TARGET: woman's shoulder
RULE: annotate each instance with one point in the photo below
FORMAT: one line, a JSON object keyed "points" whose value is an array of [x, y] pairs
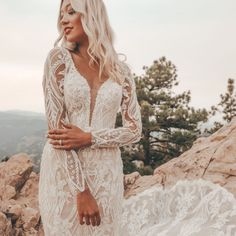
{"points": [[128, 77], [56, 53]]}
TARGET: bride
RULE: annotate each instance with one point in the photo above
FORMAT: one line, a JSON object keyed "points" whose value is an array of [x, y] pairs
{"points": [[81, 173]]}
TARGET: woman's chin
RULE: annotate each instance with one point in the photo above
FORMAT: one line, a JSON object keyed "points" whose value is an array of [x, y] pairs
{"points": [[70, 39]]}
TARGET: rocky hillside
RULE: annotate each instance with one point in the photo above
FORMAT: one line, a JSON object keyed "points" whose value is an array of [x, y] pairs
{"points": [[212, 158]]}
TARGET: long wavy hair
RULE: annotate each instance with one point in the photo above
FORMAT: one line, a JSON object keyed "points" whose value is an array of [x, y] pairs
{"points": [[96, 25]]}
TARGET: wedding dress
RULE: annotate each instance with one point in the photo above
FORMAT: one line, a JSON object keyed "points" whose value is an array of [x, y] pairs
{"points": [[190, 208]]}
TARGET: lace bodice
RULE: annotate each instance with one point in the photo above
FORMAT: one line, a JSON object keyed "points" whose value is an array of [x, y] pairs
{"points": [[69, 98]]}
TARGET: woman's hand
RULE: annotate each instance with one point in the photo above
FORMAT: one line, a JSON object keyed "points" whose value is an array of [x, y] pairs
{"points": [[72, 137], [87, 208]]}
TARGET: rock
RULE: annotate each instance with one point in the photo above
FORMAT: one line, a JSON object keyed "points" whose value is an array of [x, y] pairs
{"points": [[29, 193], [139, 184], [13, 175], [14, 211], [30, 217], [211, 158], [31, 232], [19, 213], [5, 226], [138, 164], [19, 232], [4, 205], [131, 178], [9, 192], [40, 230]]}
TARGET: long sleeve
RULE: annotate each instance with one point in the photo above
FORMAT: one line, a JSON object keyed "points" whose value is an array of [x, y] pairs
{"points": [[53, 78], [131, 129]]}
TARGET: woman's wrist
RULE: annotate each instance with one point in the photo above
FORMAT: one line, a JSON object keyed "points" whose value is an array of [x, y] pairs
{"points": [[89, 138], [86, 189]]}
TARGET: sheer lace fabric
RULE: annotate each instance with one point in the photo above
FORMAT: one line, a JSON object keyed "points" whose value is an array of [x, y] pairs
{"points": [[53, 79], [190, 208], [68, 98]]}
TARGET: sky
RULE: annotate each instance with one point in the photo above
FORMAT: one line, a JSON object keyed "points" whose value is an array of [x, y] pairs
{"points": [[197, 36]]}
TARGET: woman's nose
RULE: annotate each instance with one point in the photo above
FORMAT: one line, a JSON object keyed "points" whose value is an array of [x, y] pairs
{"points": [[63, 20]]}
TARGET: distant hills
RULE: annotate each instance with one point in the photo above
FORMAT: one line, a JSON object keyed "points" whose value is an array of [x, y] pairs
{"points": [[24, 113], [22, 131]]}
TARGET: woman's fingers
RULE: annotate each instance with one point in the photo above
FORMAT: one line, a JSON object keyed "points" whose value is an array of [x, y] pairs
{"points": [[63, 142], [81, 221], [93, 220], [98, 219], [57, 131], [87, 219], [57, 137]]}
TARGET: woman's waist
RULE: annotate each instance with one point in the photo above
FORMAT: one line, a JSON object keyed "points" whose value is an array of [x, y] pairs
{"points": [[90, 159], [87, 152], [100, 158]]}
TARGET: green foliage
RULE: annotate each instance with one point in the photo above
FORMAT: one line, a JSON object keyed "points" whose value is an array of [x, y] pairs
{"points": [[5, 158], [129, 167], [217, 126], [146, 170], [170, 125], [227, 105]]}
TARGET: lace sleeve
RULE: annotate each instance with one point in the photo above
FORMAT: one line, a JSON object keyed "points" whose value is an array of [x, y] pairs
{"points": [[53, 78], [131, 129]]}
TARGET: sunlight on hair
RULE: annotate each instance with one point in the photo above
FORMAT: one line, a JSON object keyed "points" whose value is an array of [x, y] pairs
{"points": [[96, 25]]}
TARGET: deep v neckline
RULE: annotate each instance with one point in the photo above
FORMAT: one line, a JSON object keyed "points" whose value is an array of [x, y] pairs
{"points": [[91, 111], [77, 71]]}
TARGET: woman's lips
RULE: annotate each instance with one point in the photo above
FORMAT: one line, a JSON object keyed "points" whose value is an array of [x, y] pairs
{"points": [[67, 30]]}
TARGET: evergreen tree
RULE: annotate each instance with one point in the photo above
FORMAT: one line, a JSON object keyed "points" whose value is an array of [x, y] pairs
{"points": [[169, 125], [227, 105]]}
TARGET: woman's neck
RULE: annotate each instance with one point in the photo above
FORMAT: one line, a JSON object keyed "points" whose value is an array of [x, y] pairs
{"points": [[82, 50]]}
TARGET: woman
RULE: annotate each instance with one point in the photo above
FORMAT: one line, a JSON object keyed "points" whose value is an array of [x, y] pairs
{"points": [[81, 174], [85, 85]]}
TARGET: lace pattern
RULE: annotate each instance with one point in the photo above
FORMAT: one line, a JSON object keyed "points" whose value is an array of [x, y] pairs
{"points": [[131, 129], [68, 99], [189, 208], [55, 110]]}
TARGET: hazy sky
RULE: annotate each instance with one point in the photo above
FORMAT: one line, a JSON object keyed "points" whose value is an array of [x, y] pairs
{"points": [[199, 37]]}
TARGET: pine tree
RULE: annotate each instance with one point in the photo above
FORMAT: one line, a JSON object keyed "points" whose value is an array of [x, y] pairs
{"points": [[226, 107], [170, 125], [227, 104]]}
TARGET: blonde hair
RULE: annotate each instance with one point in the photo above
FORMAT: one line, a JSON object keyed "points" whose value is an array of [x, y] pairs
{"points": [[96, 25]]}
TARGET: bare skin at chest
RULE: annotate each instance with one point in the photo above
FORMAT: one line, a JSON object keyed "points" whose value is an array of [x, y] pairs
{"points": [[90, 74]]}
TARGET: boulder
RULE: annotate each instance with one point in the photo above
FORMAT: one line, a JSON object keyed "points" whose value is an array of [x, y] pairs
{"points": [[13, 175], [19, 213]]}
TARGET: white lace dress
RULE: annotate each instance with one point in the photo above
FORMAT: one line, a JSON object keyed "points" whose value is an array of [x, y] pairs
{"points": [[197, 208]]}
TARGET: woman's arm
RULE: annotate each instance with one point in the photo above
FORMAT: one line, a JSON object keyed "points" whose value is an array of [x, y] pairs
{"points": [[131, 130], [53, 78]]}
